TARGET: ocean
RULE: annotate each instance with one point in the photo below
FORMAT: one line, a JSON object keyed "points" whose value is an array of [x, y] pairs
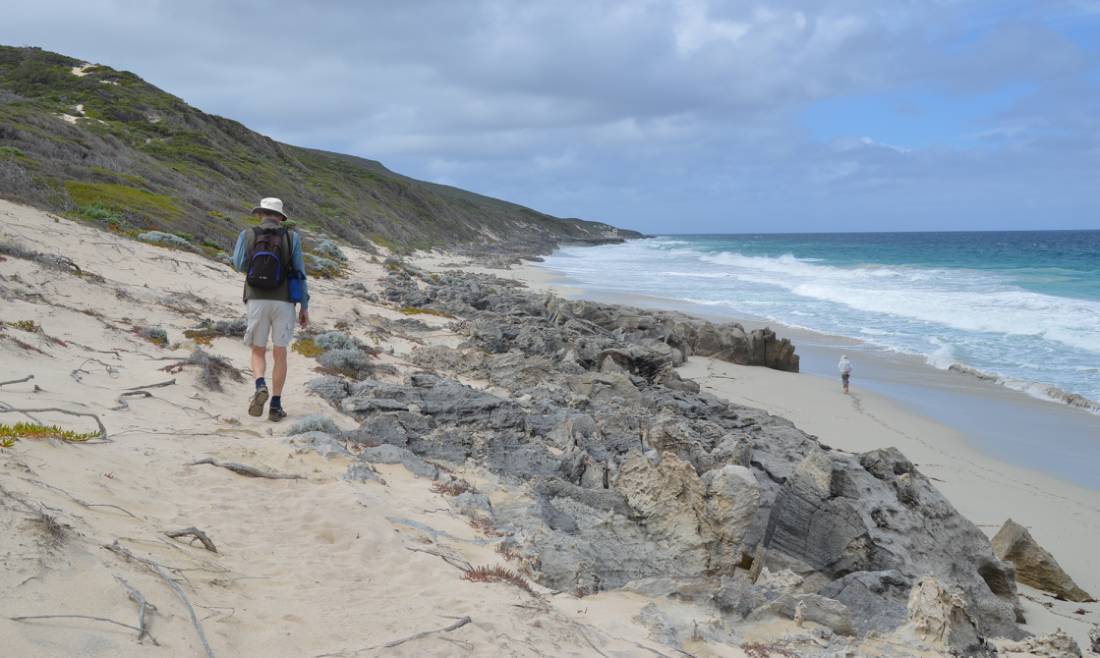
{"points": [[1020, 308]]}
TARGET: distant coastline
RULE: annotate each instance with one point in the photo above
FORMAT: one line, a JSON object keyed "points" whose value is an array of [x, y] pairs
{"points": [[1018, 309]]}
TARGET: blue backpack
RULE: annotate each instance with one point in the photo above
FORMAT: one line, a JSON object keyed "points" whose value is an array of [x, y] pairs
{"points": [[266, 268]]}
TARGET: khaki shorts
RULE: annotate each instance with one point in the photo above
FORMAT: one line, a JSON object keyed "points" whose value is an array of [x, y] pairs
{"points": [[269, 316]]}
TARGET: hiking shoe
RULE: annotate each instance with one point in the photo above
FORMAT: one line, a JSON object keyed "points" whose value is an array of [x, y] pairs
{"points": [[275, 414], [257, 401]]}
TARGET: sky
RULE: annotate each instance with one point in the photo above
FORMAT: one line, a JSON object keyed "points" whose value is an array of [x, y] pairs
{"points": [[685, 116]]}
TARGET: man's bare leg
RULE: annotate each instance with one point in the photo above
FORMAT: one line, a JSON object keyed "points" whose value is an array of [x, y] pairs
{"points": [[259, 366], [259, 361], [278, 370]]}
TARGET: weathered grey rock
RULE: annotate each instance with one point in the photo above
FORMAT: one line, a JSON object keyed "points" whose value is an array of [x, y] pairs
{"points": [[352, 362], [1034, 565], [314, 423], [474, 505], [1049, 645], [675, 627], [1094, 638], [389, 454], [815, 608], [380, 429], [330, 389], [625, 473], [322, 443], [939, 617], [668, 498], [732, 497], [362, 472], [876, 599]]}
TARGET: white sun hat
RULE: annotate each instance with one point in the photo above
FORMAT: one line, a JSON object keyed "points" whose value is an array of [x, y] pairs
{"points": [[270, 204]]}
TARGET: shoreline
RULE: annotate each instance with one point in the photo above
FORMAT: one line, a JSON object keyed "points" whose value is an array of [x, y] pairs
{"points": [[1062, 514], [1005, 423]]}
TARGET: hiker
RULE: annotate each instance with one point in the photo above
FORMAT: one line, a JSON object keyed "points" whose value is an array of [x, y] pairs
{"points": [[275, 279], [845, 368]]}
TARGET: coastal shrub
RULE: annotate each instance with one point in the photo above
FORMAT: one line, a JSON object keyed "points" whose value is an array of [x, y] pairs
{"points": [[25, 325], [46, 260], [211, 369], [9, 434], [122, 198], [453, 488], [322, 268], [314, 423], [337, 340], [210, 329], [154, 335], [498, 574], [162, 239], [329, 249], [306, 346], [414, 310], [354, 363]]}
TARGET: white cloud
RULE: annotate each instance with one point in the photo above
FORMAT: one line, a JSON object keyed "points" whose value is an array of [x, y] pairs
{"points": [[624, 110]]}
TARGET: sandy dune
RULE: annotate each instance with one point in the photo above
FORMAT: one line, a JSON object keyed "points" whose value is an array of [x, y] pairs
{"points": [[305, 567]]}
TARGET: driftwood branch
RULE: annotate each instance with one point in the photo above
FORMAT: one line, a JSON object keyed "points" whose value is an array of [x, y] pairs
{"points": [[18, 381], [103, 619], [169, 382], [459, 623], [462, 621], [245, 470], [457, 563], [194, 533], [160, 571], [102, 430], [123, 404], [143, 605], [78, 501]]}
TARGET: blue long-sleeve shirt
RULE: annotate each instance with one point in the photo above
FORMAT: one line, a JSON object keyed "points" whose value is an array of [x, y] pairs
{"points": [[296, 260]]}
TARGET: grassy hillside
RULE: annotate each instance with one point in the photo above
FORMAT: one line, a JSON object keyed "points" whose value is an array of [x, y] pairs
{"points": [[106, 146]]}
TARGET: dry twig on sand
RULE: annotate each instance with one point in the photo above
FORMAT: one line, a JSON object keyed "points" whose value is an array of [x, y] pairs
{"points": [[123, 405], [457, 563], [142, 632], [76, 500], [169, 382], [247, 471], [160, 571], [194, 533], [18, 381], [143, 605], [459, 623]]}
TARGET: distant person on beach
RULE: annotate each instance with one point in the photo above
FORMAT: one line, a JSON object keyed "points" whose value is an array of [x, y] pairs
{"points": [[845, 368], [275, 279]]}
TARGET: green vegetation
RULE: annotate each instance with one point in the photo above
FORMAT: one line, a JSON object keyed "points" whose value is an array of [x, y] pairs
{"points": [[121, 199], [144, 160], [413, 310], [25, 325], [307, 347], [9, 434]]}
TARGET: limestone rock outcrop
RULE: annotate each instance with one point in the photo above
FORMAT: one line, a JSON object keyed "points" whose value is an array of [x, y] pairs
{"points": [[1034, 565], [625, 475]]}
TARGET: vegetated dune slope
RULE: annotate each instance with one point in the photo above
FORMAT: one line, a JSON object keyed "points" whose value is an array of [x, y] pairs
{"points": [[106, 146]]}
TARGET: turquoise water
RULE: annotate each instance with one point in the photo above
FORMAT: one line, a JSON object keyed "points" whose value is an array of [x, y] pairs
{"points": [[1020, 307]]}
